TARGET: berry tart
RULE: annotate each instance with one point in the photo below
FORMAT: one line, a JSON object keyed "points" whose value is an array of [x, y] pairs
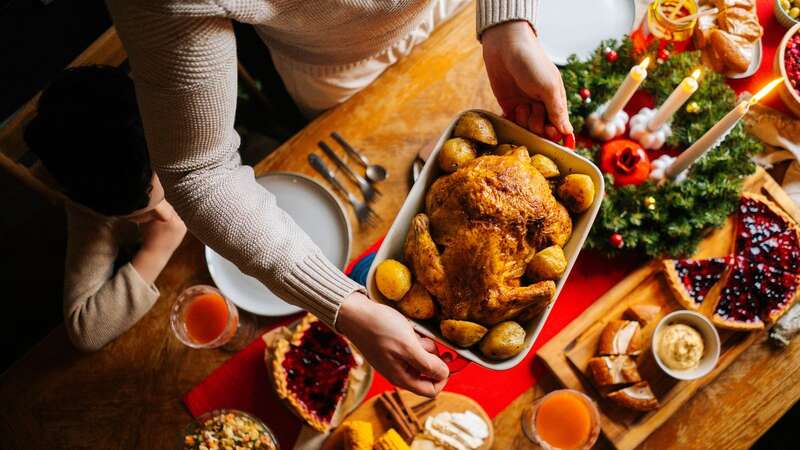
{"points": [[758, 283], [312, 369], [692, 279]]}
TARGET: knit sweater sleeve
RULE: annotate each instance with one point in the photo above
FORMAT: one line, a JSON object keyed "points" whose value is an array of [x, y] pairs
{"points": [[495, 12], [99, 304], [184, 67]]}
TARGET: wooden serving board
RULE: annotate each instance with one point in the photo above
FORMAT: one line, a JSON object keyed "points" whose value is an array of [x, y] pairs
{"points": [[567, 354], [372, 411]]}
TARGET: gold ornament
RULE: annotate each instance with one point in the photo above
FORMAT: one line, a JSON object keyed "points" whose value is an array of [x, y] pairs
{"points": [[650, 203], [693, 108]]}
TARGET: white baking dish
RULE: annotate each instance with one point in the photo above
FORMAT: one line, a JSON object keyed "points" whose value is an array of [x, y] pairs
{"points": [[507, 132]]}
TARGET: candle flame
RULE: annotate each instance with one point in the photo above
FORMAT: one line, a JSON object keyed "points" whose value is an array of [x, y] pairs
{"points": [[696, 74], [645, 62], [765, 90]]}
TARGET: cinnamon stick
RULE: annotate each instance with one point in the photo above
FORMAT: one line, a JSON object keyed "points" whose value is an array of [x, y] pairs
{"points": [[423, 404], [408, 410], [396, 413]]}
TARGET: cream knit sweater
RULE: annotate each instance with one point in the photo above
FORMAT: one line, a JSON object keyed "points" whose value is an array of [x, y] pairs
{"points": [[183, 59]]}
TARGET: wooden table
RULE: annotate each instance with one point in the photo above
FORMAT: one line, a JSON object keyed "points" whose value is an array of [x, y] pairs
{"points": [[127, 396]]}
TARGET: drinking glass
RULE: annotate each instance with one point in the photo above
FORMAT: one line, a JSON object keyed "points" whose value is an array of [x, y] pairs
{"points": [[529, 420], [204, 318]]}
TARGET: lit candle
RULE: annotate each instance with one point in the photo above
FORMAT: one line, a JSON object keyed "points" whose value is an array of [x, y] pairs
{"points": [[675, 100], [626, 90], [717, 132]]}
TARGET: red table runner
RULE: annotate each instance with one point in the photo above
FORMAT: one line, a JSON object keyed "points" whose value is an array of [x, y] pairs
{"points": [[242, 382]]}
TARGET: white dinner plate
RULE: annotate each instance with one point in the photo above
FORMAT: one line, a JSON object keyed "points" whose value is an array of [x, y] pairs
{"points": [[569, 27], [316, 211]]}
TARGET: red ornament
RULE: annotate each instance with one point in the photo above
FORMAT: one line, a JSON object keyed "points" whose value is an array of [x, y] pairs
{"points": [[663, 54], [626, 160], [585, 93], [611, 55], [616, 240]]}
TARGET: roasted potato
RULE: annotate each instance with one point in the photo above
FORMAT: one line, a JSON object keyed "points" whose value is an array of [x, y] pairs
{"points": [[548, 264], [556, 229], [461, 332], [455, 153], [503, 341], [474, 126], [417, 303], [507, 149], [393, 279], [577, 192], [545, 166]]}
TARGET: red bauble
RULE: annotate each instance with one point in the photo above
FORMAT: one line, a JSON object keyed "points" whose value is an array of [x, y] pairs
{"points": [[663, 54], [616, 240], [585, 93], [626, 160], [611, 55]]}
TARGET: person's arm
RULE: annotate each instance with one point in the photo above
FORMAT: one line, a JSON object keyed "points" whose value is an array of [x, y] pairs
{"points": [[527, 84], [99, 305], [183, 61]]}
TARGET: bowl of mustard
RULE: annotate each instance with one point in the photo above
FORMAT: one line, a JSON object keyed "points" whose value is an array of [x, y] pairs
{"points": [[686, 345]]}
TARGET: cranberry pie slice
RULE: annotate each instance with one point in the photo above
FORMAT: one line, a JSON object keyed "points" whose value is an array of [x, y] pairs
{"points": [[758, 220], [311, 370], [738, 306], [692, 279]]}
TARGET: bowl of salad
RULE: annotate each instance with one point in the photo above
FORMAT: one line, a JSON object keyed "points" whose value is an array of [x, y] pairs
{"points": [[227, 428]]}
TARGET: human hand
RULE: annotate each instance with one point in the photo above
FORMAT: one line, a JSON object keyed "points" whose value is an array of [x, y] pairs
{"points": [[161, 235], [527, 84], [386, 339], [164, 232]]}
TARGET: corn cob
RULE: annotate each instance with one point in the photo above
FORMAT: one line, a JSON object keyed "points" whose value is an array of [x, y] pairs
{"points": [[358, 435], [391, 440]]}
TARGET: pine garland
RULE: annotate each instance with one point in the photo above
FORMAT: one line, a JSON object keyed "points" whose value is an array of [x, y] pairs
{"points": [[683, 211]]}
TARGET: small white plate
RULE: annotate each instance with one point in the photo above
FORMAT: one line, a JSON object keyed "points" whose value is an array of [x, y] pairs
{"points": [[569, 27], [316, 211]]}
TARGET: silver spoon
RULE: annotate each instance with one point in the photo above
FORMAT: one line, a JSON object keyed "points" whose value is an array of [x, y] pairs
{"points": [[374, 172]]}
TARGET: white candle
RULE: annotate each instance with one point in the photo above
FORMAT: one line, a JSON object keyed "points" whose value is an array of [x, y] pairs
{"points": [[707, 141], [626, 90], [675, 100]]}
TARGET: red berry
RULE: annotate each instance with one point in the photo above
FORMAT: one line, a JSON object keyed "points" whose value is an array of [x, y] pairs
{"points": [[663, 54], [611, 55], [585, 93], [616, 240]]}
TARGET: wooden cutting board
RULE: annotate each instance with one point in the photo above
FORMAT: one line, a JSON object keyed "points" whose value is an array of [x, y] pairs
{"points": [[372, 411], [567, 354]]}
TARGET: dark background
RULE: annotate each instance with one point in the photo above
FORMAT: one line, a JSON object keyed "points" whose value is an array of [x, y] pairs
{"points": [[38, 39]]}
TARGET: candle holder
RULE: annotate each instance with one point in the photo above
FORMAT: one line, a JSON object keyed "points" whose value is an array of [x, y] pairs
{"points": [[606, 129], [641, 132], [658, 169]]}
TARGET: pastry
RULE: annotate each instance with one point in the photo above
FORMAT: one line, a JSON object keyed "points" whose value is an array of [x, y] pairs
{"points": [[642, 313], [613, 370], [311, 371], [620, 337], [730, 50], [639, 397], [727, 34], [692, 279]]}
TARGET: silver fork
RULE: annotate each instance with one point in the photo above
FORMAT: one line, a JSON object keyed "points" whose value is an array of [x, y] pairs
{"points": [[369, 191], [365, 215]]}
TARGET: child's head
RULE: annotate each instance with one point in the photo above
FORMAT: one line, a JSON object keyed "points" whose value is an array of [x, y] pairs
{"points": [[89, 136]]}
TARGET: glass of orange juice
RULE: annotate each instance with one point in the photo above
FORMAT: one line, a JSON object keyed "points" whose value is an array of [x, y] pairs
{"points": [[565, 420], [204, 318]]}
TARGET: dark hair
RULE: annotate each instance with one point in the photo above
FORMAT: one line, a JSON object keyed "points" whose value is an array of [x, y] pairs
{"points": [[89, 136]]}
